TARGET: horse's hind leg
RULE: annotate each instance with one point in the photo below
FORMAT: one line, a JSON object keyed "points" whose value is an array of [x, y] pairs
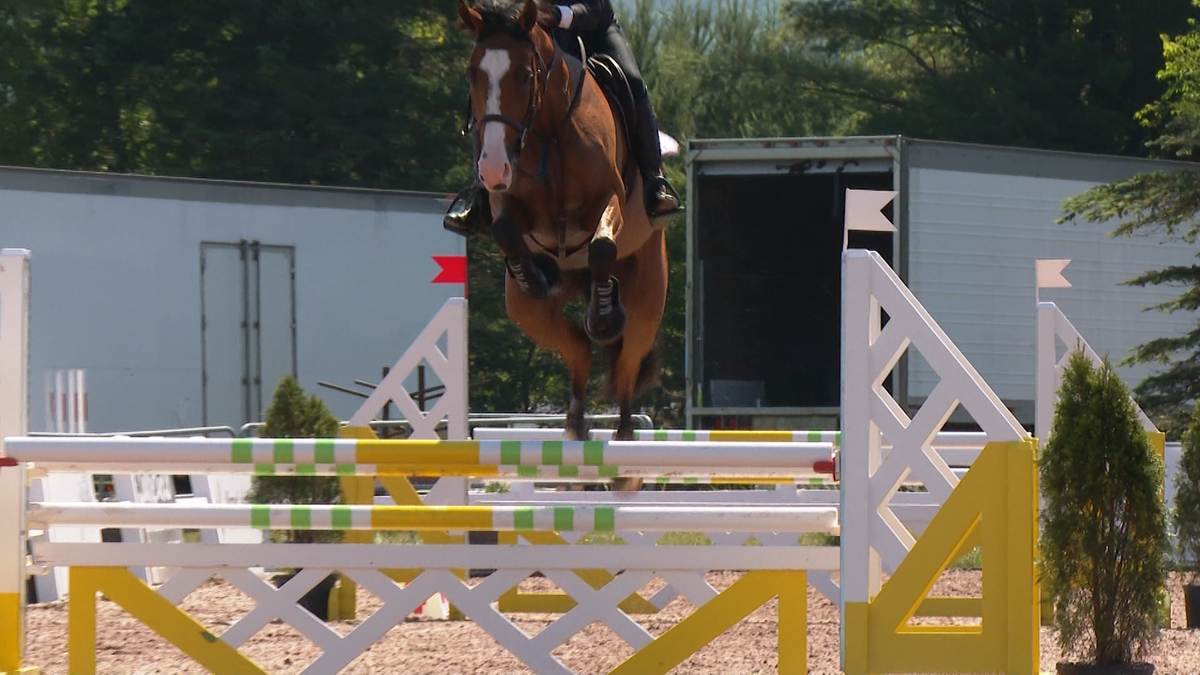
{"points": [[543, 321]]}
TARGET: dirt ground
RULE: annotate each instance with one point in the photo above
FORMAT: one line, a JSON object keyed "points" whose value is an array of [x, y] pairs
{"points": [[427, 646]]}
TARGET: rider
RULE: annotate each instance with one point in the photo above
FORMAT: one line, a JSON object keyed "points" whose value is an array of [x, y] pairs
{"points": [[596, 24]]}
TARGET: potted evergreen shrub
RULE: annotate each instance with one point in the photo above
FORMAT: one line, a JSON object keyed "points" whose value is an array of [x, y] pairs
{"points": [[1187, 518], [1104, 536], [292, 415]]}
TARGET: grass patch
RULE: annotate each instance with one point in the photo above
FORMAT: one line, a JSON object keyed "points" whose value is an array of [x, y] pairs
{"points": [[602, 539], [684, 539], [820, 539], [971, 560], [397, 538]]}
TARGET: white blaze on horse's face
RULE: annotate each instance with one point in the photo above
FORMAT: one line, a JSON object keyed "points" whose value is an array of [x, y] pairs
{"points": [[495, 169]]}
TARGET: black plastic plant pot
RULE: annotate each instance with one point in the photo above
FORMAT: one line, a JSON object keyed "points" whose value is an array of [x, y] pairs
{"points": [[1191, 603], [315, 600], [1105, 669]]}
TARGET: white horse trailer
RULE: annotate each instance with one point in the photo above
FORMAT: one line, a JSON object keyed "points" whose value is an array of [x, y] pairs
{"points": [[764, 229]]}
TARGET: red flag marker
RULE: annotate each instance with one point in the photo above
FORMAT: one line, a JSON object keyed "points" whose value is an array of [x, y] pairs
{"points": [[453, 270]]}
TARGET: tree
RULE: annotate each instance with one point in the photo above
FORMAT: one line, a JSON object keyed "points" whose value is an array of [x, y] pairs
{"points": [[315, 91], [292, 415], [1186, 515], [728, 68], [1163, 204], [1063, 74], [1104, 537]]}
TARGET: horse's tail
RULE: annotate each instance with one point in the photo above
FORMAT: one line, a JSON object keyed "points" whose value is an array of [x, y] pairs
{"points": [[648, 372]]}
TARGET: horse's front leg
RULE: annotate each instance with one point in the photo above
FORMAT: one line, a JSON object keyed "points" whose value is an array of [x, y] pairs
{"points": [[546, 324], [536, 275], [625, 433], [605, 318], [576, 427]]}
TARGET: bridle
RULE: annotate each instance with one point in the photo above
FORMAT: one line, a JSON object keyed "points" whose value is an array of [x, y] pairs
{"points": [[541, 77]]}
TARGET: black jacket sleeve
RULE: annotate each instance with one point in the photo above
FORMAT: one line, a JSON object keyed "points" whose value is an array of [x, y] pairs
{"points": [[590, 14]]}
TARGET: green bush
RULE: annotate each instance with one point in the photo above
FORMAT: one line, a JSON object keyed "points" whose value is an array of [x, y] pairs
{"points": [[292, 415], [1187, 498], [1104, 537]]}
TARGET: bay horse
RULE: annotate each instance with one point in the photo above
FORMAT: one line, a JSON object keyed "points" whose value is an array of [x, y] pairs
{"points": [[565, 194]]}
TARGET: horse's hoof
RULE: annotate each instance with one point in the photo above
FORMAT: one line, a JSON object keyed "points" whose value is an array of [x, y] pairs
{"points": [[549, 270], [627, 484], [604, 321], [530, 277]]}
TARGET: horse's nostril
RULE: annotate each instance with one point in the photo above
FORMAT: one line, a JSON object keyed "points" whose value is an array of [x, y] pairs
{"points": [[483, 156]]}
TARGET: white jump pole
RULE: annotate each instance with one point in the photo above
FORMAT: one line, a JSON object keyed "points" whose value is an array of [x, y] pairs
{"points": [[12, 565], [772, 518], [14, 420], [220, 452], [14, 343]]}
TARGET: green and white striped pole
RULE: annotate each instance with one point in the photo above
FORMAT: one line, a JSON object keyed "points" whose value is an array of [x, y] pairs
{"points": [[573, 518]]}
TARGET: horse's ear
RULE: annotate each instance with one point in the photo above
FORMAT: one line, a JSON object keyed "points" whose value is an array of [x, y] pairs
{"points": [[529, 15], [468, 18]]}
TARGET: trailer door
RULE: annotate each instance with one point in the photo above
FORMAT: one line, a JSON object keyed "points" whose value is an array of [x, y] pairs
{"points": [[247, 327], [767, 286]]}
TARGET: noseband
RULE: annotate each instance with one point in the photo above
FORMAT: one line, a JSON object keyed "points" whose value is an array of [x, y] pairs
{"points": [[541, 76]]}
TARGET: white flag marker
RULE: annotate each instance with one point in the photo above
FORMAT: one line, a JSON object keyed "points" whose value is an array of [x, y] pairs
{"points": [[863, 212], [1049, 274]]}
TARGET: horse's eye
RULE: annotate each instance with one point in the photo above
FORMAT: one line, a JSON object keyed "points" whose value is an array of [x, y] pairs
{"points": [[524, 75]]}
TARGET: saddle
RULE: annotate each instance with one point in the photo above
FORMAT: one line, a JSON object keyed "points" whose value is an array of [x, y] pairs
{"points": [[616, 89], [612, 81]]}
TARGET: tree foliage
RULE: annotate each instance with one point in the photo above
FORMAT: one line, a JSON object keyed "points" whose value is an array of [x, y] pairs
{"points": [[293, 415], [728, 69], [314, 91], [1104, 536], [1186, 515], [1163, 204], [1057, 74]]}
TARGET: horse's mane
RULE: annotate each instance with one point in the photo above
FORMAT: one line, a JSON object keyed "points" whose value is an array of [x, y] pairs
{"points": [[501, 16]]}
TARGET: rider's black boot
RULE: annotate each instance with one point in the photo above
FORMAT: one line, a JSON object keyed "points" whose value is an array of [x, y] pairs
{"points": [[469, 214], [662, 201]]}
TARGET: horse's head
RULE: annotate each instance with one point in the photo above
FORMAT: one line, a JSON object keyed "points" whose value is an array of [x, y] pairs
{"points": [[507, 75]]}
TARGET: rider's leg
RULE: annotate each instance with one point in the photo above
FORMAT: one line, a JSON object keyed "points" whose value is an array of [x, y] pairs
{"points": [[470, 213], [660, 198]]}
